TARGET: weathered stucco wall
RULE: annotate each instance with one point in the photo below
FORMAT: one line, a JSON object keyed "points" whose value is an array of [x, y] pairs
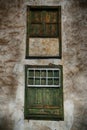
{"points": [[12, 61]]}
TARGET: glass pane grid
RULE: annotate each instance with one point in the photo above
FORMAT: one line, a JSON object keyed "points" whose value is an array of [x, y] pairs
{"points": [[43, 77]]}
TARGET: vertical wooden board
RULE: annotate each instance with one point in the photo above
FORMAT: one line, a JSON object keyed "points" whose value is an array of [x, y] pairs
{"points": [[31, 97], [46, 97], [51, 97], [34, 97], [56, 97], [39, 97]]}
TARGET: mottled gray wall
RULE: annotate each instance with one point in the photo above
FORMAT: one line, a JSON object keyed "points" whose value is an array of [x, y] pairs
{"points": [[12, 61]]}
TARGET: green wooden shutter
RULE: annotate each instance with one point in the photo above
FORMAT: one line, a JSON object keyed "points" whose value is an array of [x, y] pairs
{"points": [[43, 92], [43, 21]]}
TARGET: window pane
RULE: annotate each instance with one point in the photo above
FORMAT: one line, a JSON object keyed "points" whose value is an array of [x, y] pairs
{"points": [[36, 30], [36, 17], [43, 73], [51, 29], [50, 81], [37, 73], [30, 81], [31, 73], [50, 73], [37, 81], [50, 17], [43, 81], [56, 73], [56, 81]]}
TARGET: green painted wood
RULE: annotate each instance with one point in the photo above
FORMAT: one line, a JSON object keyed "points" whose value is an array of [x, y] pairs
{"points": [[42, 101], [43, 22]]}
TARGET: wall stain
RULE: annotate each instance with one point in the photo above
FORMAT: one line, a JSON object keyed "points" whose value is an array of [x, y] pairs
{"points": [[6, 124]]}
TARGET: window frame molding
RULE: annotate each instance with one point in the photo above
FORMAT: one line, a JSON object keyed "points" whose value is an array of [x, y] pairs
{"points": [[42, 116], [59, 56]]}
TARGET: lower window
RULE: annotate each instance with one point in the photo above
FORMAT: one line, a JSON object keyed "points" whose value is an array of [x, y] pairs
{"points": [[43, 92]]}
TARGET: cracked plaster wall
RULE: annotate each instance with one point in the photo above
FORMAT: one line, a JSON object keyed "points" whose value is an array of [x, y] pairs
{"points": [[12, 61]]}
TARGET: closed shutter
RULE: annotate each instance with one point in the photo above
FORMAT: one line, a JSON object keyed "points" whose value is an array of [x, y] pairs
{"points": [[43, 92]]}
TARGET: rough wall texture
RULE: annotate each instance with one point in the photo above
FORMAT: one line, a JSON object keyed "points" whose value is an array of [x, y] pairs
{"points": [[12, 61]]}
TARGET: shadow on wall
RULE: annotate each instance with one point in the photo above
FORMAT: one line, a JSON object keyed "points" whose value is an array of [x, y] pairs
{"points": [[80, 118], [6, 124], [83, 3]]}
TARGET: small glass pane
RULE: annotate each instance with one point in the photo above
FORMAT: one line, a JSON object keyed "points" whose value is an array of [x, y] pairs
{"points": [[43, 81], [50, 81], [31, 73], [30, 81], [56, 73], [43, 73], [50, 73], [37, 73], [37, 81], [56, 81]]}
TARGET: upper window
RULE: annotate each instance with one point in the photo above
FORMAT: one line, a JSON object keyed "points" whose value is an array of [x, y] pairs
{"points": [[43, 22], [43, 32]]}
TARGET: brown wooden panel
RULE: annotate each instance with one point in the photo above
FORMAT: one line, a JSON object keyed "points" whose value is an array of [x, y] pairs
{"points": [[36, 30], [36, 16], [51, 29], [50, 17]]}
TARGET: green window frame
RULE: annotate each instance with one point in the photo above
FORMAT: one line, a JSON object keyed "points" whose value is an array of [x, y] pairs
{"points": [[44, 92], [43, 22]]}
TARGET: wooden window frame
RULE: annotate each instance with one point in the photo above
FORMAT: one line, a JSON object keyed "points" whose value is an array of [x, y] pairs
{"points": [[57, 8], [33, 116]]}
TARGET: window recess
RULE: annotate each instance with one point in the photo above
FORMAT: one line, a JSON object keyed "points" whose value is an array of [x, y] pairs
{"points": [[43, 32], [43, 92]]}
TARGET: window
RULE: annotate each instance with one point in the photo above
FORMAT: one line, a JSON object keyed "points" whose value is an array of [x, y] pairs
{"points": [[43, 22], [43, 92], [43, 32]]}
